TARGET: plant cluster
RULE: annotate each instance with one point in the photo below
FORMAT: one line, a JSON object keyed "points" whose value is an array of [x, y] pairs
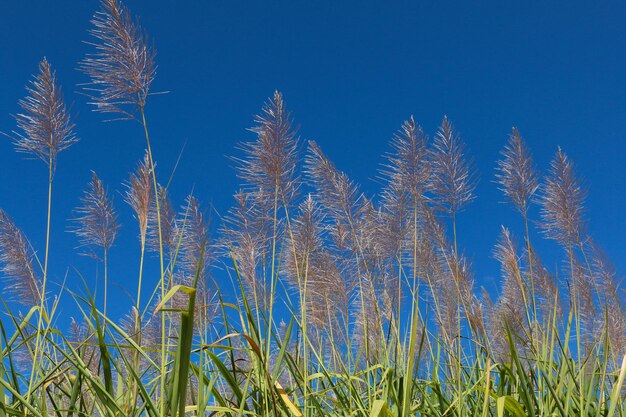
{"points": [[345, 304]]}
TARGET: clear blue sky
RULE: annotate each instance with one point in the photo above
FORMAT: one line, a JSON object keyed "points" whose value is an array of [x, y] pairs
{"points": [[351, 72]]}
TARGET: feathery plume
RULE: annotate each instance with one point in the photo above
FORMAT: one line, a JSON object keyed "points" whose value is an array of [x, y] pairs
{"points": [[122, 67], [16, 260], [269, 164], [516, 172], [443, 293], [310, 269], [408, 170], [334, 190], [246, 238], [368, 319], [450, 279], [169, 232], [474, 312], [546, 288], [146, 333], [22, 354], [407, 174], [45, 126], [194, 247], [378, 246], [460, 270], [612, 303], [507, 315], [430, 236], [96, 225], [582, 293], [305, 239], [514, 287], [83, 339], [453, 177], [380, 233], [562, 202], [139, 194]]}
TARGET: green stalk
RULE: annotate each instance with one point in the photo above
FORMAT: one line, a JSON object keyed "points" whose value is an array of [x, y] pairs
{"points": [[141, 261], [408, 378], [106, 283], [303, 293], [530, 265], [273, 279], [44, 280], [458, 341], [161, 254]]}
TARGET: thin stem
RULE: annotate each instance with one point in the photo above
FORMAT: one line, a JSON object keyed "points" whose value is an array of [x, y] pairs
{"points": [[139, 280], [161, 254], [456, 267], [45, 263], [408, 382], [106, 284], [42, 294], [303, 292], [531, 275], [273, 278]]}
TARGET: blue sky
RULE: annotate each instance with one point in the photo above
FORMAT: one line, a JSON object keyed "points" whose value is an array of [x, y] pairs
{"points": [[351, 72]]}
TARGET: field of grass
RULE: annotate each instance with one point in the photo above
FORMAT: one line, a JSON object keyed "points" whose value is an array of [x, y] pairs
{"points": [[308, 298]]}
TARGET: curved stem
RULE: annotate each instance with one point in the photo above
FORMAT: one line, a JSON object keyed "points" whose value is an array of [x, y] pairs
{"points": [[42, 293], [161, 254]]}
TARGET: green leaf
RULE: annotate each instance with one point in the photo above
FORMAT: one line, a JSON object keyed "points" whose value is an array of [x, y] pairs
{"points": [[509, 404], [617, 389], [380, 409]]}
